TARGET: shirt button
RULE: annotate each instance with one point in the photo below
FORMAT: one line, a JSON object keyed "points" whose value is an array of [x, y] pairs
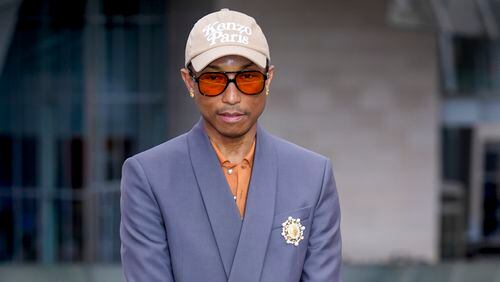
{"points": [[230, 171]]}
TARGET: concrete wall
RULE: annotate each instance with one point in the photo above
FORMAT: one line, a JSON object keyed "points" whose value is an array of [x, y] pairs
{"points": [[365, 94], [181, 16]]}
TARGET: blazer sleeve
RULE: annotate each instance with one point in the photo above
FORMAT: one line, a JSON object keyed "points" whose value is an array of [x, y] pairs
{"points": [[144, 248], [324, 254]]}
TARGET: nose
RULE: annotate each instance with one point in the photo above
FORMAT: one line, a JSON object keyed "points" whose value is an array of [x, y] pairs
{"points": [[231, 95]]}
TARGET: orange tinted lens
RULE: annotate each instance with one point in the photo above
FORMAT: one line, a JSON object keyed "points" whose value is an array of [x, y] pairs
{"points": [[212, 84], [250, 82]]}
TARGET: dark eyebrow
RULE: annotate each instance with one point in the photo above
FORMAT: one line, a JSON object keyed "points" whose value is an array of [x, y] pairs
{"points": [[217, 68]]}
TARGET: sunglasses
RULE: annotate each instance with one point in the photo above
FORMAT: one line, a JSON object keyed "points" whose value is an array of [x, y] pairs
{"points": [[215, 83]]}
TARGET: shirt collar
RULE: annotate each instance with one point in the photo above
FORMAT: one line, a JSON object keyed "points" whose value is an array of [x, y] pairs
{"points": [[223, 160]]}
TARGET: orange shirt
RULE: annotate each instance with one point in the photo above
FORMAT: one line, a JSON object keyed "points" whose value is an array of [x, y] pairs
{"points": [[237, 176]]}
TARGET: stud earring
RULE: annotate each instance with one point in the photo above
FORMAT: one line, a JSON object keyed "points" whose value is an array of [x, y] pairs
{"points": [[191, 93], [267, 90]]}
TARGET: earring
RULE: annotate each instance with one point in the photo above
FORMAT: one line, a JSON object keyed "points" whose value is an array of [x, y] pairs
{"points": [[267, 90], [191, 93]]}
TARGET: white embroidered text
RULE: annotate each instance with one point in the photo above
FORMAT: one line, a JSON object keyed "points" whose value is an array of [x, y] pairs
{"points": [[227, 32]]}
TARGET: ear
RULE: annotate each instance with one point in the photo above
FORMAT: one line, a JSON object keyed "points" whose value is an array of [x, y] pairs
{"points": [[188, 79], [270, 74]]}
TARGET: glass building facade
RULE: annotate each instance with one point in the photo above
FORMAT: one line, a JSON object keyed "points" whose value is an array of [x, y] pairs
{"points": [[83, 86], [470, 141]]}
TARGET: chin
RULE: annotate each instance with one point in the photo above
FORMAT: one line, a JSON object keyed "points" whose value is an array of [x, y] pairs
{"points": [[233, 133]]}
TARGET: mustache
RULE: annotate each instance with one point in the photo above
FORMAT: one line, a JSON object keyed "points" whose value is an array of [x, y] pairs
{"points": [[231, 109]]}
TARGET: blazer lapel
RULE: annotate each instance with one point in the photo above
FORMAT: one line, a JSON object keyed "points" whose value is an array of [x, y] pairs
{"points": [[259, 214], [219, 204]]}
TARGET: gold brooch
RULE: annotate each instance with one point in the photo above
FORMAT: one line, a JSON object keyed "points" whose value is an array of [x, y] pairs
{"points": [[292, 231]]}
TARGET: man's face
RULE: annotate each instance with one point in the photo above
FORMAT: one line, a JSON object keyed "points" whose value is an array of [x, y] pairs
{"points": [[231, 114]]}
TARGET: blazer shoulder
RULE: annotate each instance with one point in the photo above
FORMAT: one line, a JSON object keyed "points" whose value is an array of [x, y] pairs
{"points": [[289, 151], [172, 150]]}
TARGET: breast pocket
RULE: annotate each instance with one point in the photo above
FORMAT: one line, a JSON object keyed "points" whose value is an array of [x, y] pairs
{"points": [[286, 260], [302, 213], [295, 235]]}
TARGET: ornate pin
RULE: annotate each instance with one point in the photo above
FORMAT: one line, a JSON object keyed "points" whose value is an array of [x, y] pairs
{"points": [[292, 231]]}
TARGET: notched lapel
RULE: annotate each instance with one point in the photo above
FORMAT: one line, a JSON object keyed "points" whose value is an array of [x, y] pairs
{"points": [[259, 213], [219, 204]]}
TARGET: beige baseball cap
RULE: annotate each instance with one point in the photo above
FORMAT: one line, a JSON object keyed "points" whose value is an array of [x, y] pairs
{"points": [[225, 33]]}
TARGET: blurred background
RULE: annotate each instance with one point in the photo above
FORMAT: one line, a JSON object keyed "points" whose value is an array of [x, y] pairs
{"points": [[402, 95]]}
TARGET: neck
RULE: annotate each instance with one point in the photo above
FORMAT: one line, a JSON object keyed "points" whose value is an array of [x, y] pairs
{"points": [[233, 148]]}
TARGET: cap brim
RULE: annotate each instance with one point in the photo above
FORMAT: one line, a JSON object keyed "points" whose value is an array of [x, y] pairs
{"points": [[201, 61]]}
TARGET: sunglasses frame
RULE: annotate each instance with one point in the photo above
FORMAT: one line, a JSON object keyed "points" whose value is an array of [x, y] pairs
{"points": [[229, 80]]}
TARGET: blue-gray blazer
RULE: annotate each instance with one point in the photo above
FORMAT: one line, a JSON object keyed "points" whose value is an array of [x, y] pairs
{"points": [[179, 221]]}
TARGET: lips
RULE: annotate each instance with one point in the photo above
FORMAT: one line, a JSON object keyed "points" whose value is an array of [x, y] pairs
{"points": [[231, 117]]}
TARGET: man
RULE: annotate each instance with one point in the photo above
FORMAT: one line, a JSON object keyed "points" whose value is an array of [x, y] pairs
{"points": [[228, 201]]}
